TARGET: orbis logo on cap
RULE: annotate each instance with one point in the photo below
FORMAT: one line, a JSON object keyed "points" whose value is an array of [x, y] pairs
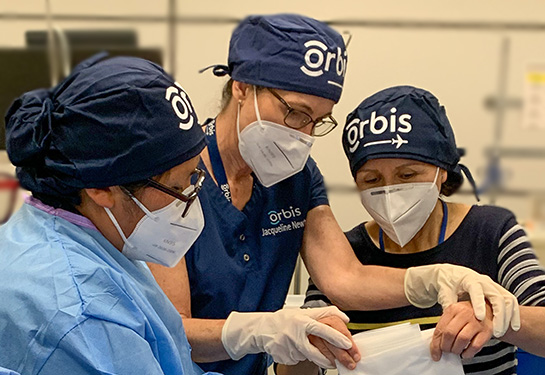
{"points": [[319, 60], [355, 130], [181, 105]]}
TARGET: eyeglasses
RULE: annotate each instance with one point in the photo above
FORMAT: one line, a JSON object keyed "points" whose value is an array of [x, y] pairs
{"points": [[187, 197], [296, 119]]}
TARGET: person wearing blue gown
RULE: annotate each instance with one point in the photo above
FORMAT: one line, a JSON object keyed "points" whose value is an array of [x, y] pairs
{"points": [[108, 155]]}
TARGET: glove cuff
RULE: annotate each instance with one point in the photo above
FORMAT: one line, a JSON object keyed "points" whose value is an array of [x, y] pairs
{"points": [[240, 333], [418, 292], [226, 339]]}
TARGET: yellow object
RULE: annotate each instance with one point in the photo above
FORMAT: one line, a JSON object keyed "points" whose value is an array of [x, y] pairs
{"points": [[368, 326], [536, 77]]}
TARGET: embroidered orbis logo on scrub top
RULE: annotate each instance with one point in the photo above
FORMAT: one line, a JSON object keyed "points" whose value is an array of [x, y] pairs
{"points": [[319, 60], [378, 125], [276, 216], [181, 105], [283, 220]]}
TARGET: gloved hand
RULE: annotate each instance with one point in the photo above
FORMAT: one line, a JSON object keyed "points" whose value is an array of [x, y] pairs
{"points": [[445, 283], [282, 334]]}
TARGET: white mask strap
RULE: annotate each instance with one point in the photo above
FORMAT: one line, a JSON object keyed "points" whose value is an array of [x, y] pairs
{"points": [[116, 225], [255, 106], [143, 208], [435, 179], [238, 121]]}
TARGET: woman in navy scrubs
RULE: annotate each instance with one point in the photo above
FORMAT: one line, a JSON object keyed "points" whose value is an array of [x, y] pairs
{"points": [[265, 202]]}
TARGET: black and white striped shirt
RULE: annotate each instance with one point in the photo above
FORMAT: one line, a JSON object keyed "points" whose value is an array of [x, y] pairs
{"points": [[490, 241]]}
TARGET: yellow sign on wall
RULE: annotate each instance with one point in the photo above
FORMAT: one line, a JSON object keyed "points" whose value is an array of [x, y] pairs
{"points": [[533, 116]]}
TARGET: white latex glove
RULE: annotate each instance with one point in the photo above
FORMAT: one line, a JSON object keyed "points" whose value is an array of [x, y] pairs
{"points": [[445, 283], [282, 334]]}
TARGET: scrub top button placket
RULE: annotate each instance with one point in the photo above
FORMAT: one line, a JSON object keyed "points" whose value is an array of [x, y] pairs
{"points": [[245, 256]]}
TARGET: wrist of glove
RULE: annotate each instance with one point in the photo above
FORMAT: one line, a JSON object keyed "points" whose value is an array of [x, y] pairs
{"points": [[445, 283], [282, 334]]}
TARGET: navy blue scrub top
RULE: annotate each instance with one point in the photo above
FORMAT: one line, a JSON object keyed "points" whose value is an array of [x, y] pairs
{"points": [[244, 260]]}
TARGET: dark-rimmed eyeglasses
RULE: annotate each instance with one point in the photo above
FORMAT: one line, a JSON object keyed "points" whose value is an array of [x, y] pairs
{"points": [[187, 196], [297, 119]]}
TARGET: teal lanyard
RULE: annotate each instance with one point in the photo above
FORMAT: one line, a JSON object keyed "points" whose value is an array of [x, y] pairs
{"points": [[441, 234]]}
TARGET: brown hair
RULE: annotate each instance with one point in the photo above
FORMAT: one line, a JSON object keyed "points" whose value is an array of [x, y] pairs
{"points": [[452, 184]]}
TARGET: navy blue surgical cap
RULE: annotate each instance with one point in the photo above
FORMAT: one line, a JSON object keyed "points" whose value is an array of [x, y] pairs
{"points": [[111, 122], [402, 122], [288, 52]]}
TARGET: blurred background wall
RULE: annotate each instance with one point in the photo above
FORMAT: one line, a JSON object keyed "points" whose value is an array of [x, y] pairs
{"points": [[477, 57]]}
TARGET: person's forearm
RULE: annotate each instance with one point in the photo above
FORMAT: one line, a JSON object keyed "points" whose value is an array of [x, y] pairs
{"points": [[367, 288], [302, 368], [204, 336], [339, 274], [531, 336]]}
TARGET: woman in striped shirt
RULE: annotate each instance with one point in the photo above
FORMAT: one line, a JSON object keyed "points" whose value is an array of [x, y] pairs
{"points": [[404, 159]]}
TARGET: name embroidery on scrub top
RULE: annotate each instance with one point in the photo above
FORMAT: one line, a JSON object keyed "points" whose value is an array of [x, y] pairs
{"points": [[215, 159], [283, 220]]}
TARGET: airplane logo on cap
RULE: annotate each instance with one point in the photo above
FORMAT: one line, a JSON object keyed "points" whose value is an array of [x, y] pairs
{"points": [[181, 105], [397, 142], [377, 126]]}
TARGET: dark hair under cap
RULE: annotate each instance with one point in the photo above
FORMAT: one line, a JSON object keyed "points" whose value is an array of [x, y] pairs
{"points": [[289, 52], [403, 122], [111, 122]]}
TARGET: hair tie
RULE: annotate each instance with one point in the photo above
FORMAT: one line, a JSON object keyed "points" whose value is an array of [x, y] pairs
{"points": [[217, 70]]}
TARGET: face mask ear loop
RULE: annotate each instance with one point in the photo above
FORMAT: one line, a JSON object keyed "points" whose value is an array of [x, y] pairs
{"points": [[116, 225], [256, 107], [140, 205], [143, 208], [238, 133], [238, 121], [435, 179]]}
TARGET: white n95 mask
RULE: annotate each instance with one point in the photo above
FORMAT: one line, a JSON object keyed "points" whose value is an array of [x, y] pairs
{"points": [[401, 210], [274, 152], [162, 236]]}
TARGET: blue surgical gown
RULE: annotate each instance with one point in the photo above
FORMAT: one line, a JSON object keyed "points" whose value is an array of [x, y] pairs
{"points": [[71, 303]]}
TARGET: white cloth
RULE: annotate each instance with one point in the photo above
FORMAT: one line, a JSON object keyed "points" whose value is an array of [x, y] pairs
{"points": [[400, 350]]}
